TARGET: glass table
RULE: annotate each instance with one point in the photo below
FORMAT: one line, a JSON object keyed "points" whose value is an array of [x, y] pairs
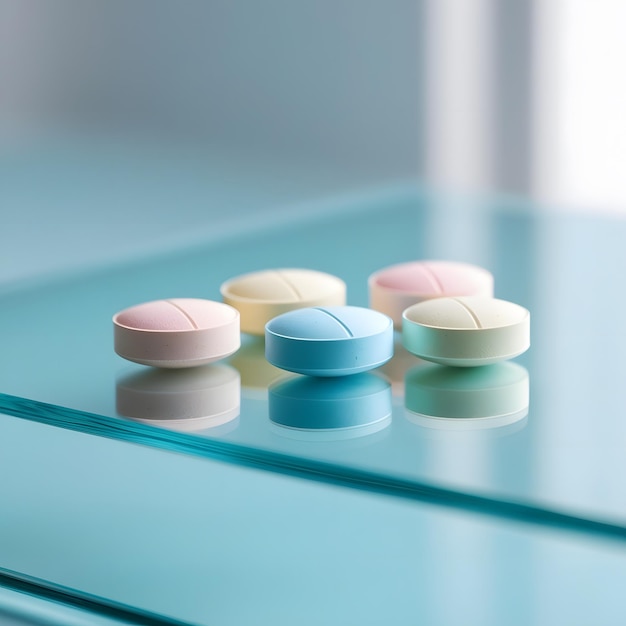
{"points": [[241, 513]]}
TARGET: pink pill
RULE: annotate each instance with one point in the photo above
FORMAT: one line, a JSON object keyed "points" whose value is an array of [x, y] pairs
{"points": [[181, 332], [395, 288]]}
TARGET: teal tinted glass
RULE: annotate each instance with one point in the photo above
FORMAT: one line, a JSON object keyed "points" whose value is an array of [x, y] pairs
{"points": [[561, 454]]}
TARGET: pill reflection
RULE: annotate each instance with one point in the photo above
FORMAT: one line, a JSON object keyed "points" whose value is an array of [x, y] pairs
{"points": [[256, 372], [182, 400], [330, 408], [453, 398], [395, 369]]}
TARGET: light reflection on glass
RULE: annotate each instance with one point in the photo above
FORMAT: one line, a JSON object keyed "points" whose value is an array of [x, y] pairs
{"points": [[256, 372], [396, 368], [325, 409], [451, 398], [185, 400]]}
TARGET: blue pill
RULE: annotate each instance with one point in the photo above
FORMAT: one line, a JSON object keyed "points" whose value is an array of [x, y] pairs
{"points": [[329, 341]]}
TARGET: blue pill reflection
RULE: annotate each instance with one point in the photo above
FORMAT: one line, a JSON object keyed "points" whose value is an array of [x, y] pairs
{"points": [[302, 402]]}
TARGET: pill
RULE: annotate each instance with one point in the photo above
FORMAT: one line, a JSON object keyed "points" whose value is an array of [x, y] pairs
{"points": [[182, 332], [261, 296], [492, 396], [183, 400], [308, 403], [329, 341], [395, 288], [466, 332]]}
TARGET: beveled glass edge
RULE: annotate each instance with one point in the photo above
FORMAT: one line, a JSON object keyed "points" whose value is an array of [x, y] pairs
{"points": [[311, 469], [76, 599]]}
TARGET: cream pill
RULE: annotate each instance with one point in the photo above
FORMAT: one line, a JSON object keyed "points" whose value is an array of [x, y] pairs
{"points": [[397, 287], [261, 296], [329, 341], [181, 332], [466, 332]]}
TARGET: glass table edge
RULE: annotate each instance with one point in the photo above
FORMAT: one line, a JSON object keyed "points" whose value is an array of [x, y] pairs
{"points": [[82, 601], [301, 467]]}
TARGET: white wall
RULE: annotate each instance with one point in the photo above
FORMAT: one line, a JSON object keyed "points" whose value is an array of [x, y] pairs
{"points": [[319, 80], [580, 152], [526, 97]]}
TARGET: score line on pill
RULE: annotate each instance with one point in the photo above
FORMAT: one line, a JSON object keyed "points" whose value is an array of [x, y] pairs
{"points": [[261, 296], [329, 341], [176, 333], [466, 332]]}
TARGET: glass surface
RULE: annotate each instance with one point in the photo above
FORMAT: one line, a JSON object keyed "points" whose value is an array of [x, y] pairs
{"points": [[211, 543], [560, 459]]}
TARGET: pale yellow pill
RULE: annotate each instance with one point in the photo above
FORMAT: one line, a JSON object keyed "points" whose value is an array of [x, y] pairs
{"points": [[466, 332], [262, 296]]}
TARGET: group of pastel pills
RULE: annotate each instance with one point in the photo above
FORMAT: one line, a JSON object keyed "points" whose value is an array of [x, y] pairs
{"points": [[446, 311]]}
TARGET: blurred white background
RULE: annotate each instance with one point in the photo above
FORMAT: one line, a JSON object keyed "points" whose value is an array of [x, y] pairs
{"points": [[304, 99], [525, 96], [579, 158]]}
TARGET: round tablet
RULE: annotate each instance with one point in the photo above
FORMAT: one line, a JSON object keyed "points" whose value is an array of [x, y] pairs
{"points": [[308, 403], [261, 296], [466, 332], [397, 287], [329, 341], [495, 395], [183, 400], [183, 332]]}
